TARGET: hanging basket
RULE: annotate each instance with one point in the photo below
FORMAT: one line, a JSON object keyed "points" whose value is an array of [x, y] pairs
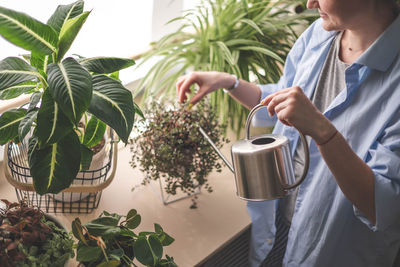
{"points": [[83, 196]]}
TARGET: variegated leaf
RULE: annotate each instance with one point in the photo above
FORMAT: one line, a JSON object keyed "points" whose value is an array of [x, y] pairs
{"points": [[34, 101], [14, 71], [17, 90], [94, 132], [54, 167], [27, 32], [113, 104], [40, 62], [64, 13], [52, 124], [68, 32], [105, 65], [86, 157], [71, 87], [9, 122], [26, 123]]}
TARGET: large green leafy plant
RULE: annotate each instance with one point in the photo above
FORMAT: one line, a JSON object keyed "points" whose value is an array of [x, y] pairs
{"points": [[109, 240], [64, 91], [248, 38]]}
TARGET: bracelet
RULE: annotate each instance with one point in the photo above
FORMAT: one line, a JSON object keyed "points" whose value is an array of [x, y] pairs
{"points": [[329, 139], [234, 86]]}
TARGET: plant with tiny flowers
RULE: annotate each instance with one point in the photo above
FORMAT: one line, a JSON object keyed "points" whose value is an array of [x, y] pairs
{"points": [[169, 146]]}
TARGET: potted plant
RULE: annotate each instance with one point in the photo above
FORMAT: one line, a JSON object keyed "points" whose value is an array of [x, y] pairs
{"points": [[109, 240], [247, 38], [64, 90], [28, 237], [169, 146]]}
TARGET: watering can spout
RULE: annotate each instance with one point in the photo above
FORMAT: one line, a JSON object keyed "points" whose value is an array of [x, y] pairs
{"points": [[216, 149]]}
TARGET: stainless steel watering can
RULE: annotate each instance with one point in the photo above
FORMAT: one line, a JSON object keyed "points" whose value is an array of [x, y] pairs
{"points": [[263, 164]]}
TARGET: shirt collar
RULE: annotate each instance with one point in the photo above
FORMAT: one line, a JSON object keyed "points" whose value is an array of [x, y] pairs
{"points": [[321, 36], [384, 50]]}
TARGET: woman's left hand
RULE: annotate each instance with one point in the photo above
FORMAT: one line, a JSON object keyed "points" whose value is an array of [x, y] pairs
{"points": [[293, 108]]}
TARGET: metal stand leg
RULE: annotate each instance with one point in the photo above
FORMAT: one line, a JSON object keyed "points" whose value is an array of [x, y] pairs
{"points": [[165, 199]]}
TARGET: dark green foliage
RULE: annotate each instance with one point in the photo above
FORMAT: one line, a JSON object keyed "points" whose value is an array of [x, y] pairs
{"points": [[110, 241], [28, 238], [171, 147], [68, 89]]}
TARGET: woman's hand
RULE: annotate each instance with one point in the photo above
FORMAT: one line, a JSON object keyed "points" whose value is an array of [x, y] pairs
{"points": [[207, 81], [293, 108]]}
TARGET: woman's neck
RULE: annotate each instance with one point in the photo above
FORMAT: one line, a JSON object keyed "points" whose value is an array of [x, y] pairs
{"points": [[358, 37]]}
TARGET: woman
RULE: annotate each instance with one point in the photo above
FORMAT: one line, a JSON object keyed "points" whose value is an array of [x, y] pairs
{"points": [[340, 87]]}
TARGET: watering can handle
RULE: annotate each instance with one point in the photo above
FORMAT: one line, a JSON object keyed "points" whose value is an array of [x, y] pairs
{"points": [[302, 138]]}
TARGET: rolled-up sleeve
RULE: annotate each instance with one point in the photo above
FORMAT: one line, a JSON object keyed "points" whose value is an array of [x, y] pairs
{"points": [[261, 118], [384, 159]]}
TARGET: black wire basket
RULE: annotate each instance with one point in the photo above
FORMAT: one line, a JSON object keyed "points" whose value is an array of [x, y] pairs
{"points": [[83, 196]]}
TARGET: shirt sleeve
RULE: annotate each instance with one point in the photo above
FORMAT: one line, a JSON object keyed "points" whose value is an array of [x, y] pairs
{"points": [[384, 159]]}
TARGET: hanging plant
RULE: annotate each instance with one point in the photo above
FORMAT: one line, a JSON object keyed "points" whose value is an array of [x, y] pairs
{"points": [[169, 146]]}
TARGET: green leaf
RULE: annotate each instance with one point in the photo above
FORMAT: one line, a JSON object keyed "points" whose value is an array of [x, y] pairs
{"points": [[133, 219], [77, 231], [116, 254], [26, 123], [263, 51], [17, 90], [104, 65], [35, 99], [86, 253], [52, 124], [110, 263], [253, 25], [158, 228], [9, 122], [14, 71], [109, 221], [156, 246], [64, 13], [112, 103], [86, 157], [143, 252], [54, 167], [226, 52], [94, 132], [27, 32], [107, 232], [138, 110], [166, 239], [71, 87], [68, 32], [40, 62]]}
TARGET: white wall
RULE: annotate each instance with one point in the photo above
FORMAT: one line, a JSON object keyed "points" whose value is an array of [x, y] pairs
{"points": [[114, 28], [120, 28]]}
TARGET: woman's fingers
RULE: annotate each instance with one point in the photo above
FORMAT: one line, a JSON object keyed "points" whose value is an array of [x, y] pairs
{"points": [[272, 101], [183, 87]]}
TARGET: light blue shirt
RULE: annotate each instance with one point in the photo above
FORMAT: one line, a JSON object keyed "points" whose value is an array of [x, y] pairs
{"points": [[327, 230]]}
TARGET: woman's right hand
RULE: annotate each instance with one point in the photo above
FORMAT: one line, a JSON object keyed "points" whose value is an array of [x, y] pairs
{"points": [[207, 81]]}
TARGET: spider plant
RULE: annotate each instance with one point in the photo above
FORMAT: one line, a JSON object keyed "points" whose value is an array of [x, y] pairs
{"points": [[248, 38]]}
